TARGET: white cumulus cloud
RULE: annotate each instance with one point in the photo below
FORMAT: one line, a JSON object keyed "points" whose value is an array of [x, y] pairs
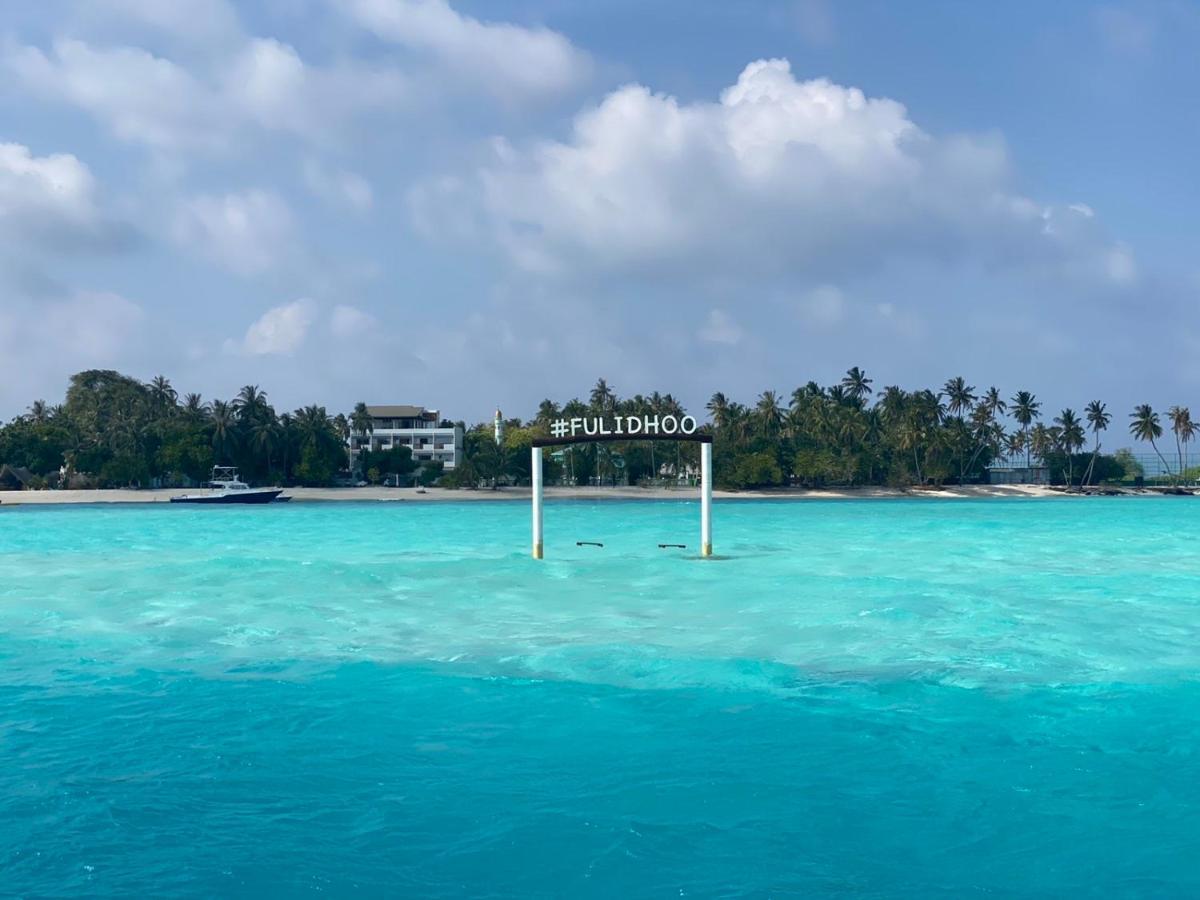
{"points": [[151, 100], [281, 330], [137, 96], [59, 182], [214, 85], [51, 200], [779, 178]]}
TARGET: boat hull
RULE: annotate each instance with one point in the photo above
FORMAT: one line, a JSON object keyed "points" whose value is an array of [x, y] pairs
{"points": [[239, 497]]}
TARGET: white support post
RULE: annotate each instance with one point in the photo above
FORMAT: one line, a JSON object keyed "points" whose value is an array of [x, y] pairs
{"points": [[535, 469], [706, 499]]}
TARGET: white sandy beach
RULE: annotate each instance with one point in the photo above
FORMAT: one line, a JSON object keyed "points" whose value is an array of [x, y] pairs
{"points": [[435, 495]]}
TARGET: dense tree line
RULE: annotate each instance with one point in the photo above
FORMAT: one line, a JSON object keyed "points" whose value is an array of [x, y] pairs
{"points": [[113, 430], [845, 434]]}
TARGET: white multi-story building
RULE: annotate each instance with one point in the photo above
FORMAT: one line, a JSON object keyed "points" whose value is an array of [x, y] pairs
{"points": [[413, 427]]}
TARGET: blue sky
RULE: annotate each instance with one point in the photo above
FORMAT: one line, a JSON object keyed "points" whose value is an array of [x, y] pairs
{"points": [[475, 204]]}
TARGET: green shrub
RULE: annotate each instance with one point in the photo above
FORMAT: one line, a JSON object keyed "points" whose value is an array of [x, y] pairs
{"points": [[755, 470], [430, 472], [315, 469]]}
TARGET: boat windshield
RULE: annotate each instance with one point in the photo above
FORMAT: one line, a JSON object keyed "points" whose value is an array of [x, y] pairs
{"points": [[226, 478]]}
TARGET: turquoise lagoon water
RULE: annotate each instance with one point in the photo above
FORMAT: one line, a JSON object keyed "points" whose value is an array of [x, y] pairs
{"points": [[893, 698]]}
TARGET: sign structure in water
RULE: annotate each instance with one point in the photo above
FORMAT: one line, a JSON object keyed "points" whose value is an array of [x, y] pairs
{"points": [[597, 429]]}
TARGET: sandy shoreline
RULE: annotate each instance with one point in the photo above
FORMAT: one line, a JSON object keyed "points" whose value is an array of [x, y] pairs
{"points": [[434, 495]]}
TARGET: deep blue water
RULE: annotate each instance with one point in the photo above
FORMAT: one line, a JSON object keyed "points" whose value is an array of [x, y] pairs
{"points": [[887, 698]]}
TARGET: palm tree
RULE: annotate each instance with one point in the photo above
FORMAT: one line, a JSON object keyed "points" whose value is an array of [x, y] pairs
{"points": [[655, 404], [988, 433], [1025, 408], [1187, 436], [361, 423], [251, 404], [38, 412], [224, 438], [1146, 427], [892, 400], [361, 420], [739, 421], [488, 460], [920, 417], [342, 426], [316, 437], [672, 407], [287, 439], [1071, 438], [1185, 429], [574, 409], [161, 392], [910, 435], [264, 438], [1015, 444], [1098, 419], [718, 408], [871, 437], [856, 383], [313, 425], [194, 406], [602, 397], [768, 414], [795, 421], [992, 400], [839, 396], [804, 395], [1042, 440], [547, 412], [959, 395]]}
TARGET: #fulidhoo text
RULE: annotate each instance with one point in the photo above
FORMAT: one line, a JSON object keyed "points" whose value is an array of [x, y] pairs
{"points": [[625, 425]]}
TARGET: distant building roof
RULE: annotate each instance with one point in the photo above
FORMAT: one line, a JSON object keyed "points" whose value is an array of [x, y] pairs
{"points": [[401, 412]]}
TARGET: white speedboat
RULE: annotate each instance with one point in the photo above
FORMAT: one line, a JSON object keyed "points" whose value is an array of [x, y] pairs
{"points": [[226, 487]]}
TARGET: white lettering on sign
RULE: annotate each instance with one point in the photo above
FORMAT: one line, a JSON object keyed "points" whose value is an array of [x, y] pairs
{"points": [[646, 426]]}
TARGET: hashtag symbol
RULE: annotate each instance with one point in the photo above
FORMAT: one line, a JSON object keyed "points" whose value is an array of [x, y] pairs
{"points": [[558, 428]]}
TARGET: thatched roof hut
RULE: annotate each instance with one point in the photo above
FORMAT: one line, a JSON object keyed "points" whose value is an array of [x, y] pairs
{"points": [[15, 478]]}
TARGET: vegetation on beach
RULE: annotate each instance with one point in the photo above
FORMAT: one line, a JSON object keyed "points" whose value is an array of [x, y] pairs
{"points": [[846, 434], [113, 430]]}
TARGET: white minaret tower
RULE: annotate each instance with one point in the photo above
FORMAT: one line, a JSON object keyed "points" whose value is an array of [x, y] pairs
{"points": [[498, 425]]}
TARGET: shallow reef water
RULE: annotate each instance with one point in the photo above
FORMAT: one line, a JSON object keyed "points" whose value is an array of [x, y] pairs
{"points": [[885, 698]]}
